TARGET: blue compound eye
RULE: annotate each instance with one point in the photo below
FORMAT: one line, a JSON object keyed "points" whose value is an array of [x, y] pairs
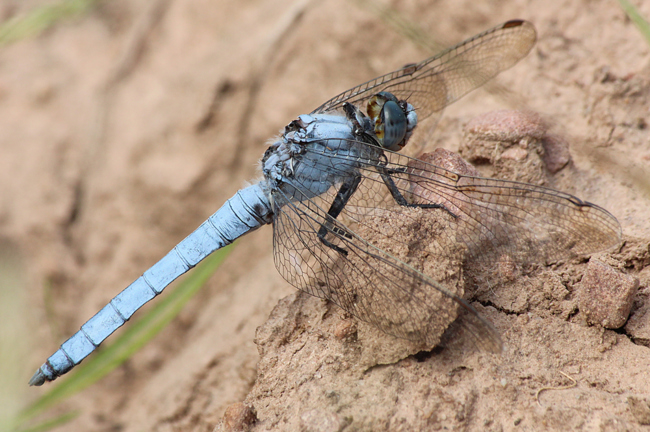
{"points": [[390, 120], [394, 122]]}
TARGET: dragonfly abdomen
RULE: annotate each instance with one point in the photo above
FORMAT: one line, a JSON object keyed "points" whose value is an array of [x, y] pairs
{"points": [[246, 211]]}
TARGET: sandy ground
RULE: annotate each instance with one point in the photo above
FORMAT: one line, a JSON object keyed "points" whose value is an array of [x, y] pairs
{"points": [[124, 129]]}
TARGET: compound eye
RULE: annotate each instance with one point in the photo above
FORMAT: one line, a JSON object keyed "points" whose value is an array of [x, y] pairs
{"points": [[389, 119], [394, 124], [376, 103]]}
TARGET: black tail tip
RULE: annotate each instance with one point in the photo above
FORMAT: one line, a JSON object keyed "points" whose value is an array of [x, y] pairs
{"points": [[38, 379]]}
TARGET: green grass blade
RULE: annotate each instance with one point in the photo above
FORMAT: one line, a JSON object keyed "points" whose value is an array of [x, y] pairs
{"points": [[635, 16], [51, 423], [40, 19], [136, 335]]}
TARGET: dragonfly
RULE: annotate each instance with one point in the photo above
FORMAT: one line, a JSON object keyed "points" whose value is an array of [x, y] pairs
{"points": [[332, 171]]}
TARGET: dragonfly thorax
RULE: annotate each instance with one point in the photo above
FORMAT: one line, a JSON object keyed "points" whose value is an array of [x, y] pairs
{"points": [[330, 130], [306, 144], [388, 124]]}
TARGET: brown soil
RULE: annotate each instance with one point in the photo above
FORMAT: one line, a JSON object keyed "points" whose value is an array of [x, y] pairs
{"points": [[124, 129]]}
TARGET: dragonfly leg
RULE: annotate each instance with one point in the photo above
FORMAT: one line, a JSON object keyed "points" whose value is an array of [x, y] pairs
{"points": [[399, 198], [346, 190]]}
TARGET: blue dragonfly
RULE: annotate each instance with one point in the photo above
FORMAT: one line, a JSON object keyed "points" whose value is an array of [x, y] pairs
{"points": [[333, 169]]}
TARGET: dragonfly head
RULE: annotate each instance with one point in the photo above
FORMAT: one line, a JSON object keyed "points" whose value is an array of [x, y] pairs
{"points": [[394, 120]]}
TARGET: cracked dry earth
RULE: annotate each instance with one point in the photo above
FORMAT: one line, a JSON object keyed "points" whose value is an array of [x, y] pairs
{"points": [[123, 129]]}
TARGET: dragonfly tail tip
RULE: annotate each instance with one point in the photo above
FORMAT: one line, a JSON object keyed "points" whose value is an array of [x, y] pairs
{"points": [[38, 379]]}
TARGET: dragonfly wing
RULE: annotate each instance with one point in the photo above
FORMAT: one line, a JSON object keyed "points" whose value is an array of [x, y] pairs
{"points": [[500, 219], [399, 267], [434, 83], [371, 267]]}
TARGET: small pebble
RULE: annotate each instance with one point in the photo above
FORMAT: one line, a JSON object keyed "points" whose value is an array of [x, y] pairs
{"points": [[606, 295], [238, 418], [345, 328], [556, 153]]}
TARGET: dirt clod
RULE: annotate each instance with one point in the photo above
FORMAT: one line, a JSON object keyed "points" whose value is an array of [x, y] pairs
{"points": [[237, 418], [511, 141], [606, 295]]}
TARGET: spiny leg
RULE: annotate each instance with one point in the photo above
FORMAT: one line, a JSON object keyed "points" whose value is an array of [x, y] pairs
{"points": [[399, 198], [347, 189]]}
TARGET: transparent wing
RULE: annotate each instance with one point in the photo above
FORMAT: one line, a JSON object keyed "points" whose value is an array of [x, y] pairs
{"points": [[497, 219], [368, 281], [398, 267], [434, 83]]}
